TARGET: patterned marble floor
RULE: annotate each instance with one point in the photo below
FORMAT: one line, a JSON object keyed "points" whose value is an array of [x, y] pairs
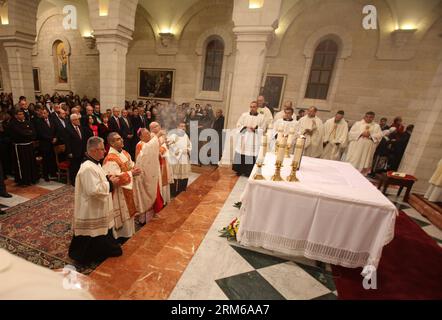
{"points": [[242, 274]]}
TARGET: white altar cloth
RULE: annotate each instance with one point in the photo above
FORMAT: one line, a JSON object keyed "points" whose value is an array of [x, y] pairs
{"points": [[333, 214]]}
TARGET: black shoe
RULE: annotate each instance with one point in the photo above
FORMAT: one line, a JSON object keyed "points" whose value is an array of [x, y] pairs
{"points": [[5, 195]]}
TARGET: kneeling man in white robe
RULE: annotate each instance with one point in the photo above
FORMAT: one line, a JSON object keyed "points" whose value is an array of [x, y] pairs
{"points": [[93, 220]]}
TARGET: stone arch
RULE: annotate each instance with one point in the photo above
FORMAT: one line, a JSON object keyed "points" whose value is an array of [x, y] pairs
{"points": [[336, 33], [345, 43], [222, 33], [194, 10]]}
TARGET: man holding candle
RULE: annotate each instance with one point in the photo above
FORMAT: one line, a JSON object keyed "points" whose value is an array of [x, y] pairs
{"points": [[335, 136], [364, 137], [312, 128], [246, 150]]}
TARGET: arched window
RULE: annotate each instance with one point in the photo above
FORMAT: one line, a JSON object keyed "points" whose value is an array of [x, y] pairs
{"points": [[322, 70], [213, 65]]}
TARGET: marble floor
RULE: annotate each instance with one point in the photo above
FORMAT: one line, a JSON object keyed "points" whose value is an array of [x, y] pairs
{"points": [[180, 254], [23, 194]]}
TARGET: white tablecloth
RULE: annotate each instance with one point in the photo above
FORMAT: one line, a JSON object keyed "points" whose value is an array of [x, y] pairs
{"points": [[333, 214]]}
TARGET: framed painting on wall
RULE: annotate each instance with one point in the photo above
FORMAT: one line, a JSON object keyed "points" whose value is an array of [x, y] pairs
{"points": [[273, 90], [156, 83], [36, 77]]}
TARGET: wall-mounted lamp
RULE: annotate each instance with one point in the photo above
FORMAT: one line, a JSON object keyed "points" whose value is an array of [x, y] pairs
{"points": [[4, 16], [166, 38], [256, 4], [402, 36], [103, 8]]}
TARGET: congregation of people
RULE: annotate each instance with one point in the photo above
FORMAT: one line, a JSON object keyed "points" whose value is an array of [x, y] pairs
{"points": [[127, 164]]}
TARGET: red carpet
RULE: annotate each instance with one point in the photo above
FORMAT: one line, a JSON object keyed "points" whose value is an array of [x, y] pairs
{"points": [[410, 268]]}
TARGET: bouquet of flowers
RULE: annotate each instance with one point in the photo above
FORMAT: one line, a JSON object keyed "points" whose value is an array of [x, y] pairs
{"points": [[231, 230]]}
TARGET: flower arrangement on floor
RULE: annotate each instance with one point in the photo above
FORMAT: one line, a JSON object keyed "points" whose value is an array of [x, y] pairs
{"points": [[231, 230]]}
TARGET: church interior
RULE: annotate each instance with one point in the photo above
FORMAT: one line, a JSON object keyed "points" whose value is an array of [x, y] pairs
{"points": [[229, 149]]}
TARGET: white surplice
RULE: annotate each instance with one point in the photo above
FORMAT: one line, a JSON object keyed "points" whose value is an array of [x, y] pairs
{"points": [[361, 150], [434, 192], [313, 142], [334, 133], [248, 142], [93, 206], [268, 117], [180, 148]]}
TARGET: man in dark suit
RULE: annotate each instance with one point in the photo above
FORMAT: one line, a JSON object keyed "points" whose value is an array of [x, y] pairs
{"points": [[127, 133], [114, 121], [60, 124], [77, 138], [218, 126], [23, 105], [46, 137]]}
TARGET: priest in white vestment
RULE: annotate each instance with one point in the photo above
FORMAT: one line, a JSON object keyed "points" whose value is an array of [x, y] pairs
{"points": [[147, 194], [93, 209], [312, 128], [335, 137], [280, 114], [265, 111], [364, 137], [166, 177], [248, 129], [180, 148], [119, 163], [288, 126], [434, 192]]}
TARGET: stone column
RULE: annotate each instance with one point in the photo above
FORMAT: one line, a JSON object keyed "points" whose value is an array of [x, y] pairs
{"points": [[19, 53], [254, 28], [425, 147], [113, 49], [251, 49]]}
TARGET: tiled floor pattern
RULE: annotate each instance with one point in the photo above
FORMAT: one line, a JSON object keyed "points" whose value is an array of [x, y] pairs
{"points": [[242, 274], [169, 260]]}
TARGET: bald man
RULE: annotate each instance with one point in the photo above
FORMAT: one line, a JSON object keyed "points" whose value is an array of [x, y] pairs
{"points": [[265, 111]]}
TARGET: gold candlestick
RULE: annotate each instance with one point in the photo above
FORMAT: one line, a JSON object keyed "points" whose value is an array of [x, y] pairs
{"points": [[287, 150], [292, 177], [277, 175], [258, 174]]}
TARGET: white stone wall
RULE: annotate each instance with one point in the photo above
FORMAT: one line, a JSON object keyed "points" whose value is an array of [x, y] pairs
{"points": [[388, 87], [83, 62], [142, 54]]}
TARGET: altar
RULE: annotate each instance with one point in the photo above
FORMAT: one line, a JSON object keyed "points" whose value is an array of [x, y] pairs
{"points": [[333, 214]]}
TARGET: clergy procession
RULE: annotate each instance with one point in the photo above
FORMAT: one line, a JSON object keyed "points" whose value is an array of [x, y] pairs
{"points": [[333, 139], [144, 165]]}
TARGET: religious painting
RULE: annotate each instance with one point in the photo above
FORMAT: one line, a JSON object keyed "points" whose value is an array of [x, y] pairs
{"points": [[62, 62], [273, 90], [36, 77], [156, 83]]}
